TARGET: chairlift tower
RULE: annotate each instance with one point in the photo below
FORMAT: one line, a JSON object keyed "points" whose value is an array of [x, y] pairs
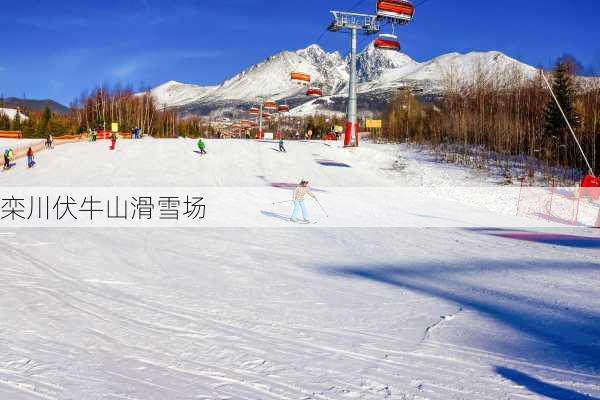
{"points": [[353, 23], [261, 133]]}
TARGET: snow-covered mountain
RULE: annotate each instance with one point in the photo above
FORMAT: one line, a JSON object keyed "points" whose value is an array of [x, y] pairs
{"points": [[268, 79], [175, 94], [431, 77], [379, 73]]}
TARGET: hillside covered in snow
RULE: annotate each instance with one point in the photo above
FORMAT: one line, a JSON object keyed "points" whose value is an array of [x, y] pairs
{"points": [[456, 302], [12, 112]]}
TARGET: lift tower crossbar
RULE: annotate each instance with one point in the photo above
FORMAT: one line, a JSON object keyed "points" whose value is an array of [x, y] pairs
{"points": [[353, 23]]}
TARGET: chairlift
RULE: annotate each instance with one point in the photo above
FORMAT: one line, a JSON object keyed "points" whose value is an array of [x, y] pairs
{"points": [[314, 92], [283, 108], [398, 11], [387, 41], [270, 105], [254, 111], [300, 78]]}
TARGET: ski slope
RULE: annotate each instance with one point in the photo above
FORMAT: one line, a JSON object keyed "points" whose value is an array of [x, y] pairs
{"points": [[286, 313], [12, 113]]}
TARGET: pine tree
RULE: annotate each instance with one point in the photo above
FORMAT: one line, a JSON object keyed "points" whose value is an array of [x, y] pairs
{"points": [[559, 146], [555, 125], [16, 124], [27, 128], [42, 128]]}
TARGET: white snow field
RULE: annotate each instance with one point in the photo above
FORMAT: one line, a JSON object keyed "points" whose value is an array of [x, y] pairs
{"points": [[287, 313], [17, 143]]}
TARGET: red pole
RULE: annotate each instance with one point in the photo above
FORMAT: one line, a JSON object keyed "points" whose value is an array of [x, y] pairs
{"points": [[351, 130]]}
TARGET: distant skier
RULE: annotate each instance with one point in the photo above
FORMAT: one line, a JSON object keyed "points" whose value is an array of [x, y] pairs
{"points": [[300, 192], [94, 135], [281, 147], [7, 157], [201, 146], [49, 141], [30, 160], [113, 141]]}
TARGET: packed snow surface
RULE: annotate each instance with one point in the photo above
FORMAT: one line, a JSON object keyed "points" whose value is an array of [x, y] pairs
{"points": [[17, 143], [290, 313]]}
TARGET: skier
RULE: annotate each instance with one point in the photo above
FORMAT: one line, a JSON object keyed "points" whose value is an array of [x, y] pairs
{"points": [[299, 193], [30, 161], [113, 141], [281, 147], [94, 135], [9, 155], [7, 158], [201, 146]]}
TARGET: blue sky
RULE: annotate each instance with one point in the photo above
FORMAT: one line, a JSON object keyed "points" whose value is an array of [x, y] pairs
{"points": [[57, 49]]}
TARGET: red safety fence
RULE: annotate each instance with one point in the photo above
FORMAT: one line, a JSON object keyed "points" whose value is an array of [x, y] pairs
{"points": [[68, 137], [590, 187], [11, 135], [100, 135]]}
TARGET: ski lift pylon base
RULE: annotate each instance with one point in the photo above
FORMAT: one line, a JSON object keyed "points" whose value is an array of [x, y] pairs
{"points": [[351, 131]]}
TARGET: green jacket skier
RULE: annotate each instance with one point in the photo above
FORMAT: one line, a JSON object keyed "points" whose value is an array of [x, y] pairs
{"points": [[8, 156], [201, 146]]}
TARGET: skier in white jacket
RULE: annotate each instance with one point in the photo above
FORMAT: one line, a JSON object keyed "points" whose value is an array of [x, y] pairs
{"points": [[300, 192]]}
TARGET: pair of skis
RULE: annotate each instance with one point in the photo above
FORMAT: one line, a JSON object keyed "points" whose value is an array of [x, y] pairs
{"points": [[301, 221]]}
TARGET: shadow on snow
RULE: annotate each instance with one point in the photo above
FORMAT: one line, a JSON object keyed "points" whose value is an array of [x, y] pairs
{"points": [[537, 386], [565, 337], [555, 239]]}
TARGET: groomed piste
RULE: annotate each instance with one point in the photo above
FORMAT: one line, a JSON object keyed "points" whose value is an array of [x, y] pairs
{"points": [[289, 312]]}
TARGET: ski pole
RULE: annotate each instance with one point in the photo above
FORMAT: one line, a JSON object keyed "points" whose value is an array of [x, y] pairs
{"points": [[320, 205]]}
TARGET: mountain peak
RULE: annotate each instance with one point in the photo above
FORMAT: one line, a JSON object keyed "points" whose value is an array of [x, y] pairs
{"points": [[312, 48], [171, 83], [373, 62], [313, 52]]}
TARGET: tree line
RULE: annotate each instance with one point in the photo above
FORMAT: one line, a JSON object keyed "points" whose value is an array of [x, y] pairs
{"points": [[504, 117], [98, 109]]}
